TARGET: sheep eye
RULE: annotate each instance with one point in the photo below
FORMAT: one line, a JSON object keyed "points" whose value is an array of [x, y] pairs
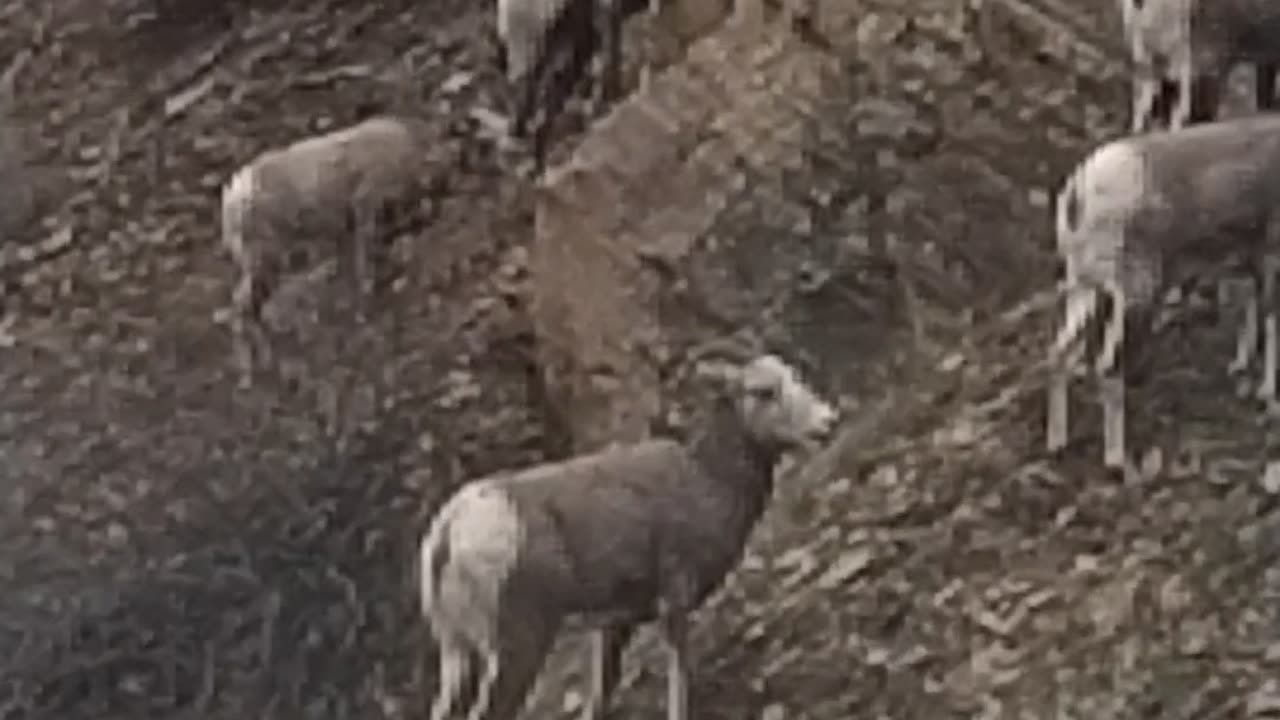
{"points": [[763, 393]]}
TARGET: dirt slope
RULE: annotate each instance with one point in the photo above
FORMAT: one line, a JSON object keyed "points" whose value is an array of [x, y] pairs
{"points": [[182, 549]]}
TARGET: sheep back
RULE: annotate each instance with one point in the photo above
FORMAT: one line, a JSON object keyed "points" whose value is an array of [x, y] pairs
{"points": [[311, 186], [1210, 188], [1201, 194], [601, 528], [1227, 30]]}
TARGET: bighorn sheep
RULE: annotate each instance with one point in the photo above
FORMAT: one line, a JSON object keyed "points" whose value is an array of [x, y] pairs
{"points": [[1188, 47], [623, 536], [340, 186], [1149, 212], [546, 47]]}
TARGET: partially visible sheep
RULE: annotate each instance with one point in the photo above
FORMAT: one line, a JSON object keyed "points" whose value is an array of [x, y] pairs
{"points": [[546, 48], [619, 537], [341, 187], [1149, 212], [1188, 47]]}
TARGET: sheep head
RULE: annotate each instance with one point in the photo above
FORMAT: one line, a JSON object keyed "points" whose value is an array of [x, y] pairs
{"points": [[778, 408]]}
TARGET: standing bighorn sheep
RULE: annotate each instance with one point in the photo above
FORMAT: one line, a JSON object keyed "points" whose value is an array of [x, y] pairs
{"points": [[547, 46], [619, 537], [1186, 48], [339, 188], [1148, 212]]}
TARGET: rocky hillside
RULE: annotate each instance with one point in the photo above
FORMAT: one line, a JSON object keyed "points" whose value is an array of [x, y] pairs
{"points": [[178, 547]]}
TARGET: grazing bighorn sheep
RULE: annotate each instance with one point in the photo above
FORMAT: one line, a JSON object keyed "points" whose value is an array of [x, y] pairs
{"points": [[1188, 47], [1149, 212], [340, 186], [619, 537]]}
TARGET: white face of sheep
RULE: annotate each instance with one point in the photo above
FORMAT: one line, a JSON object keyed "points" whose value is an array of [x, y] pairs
{"points": [[778, 408]]}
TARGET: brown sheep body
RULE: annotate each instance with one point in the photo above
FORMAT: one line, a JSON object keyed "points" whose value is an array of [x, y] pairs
{"points": [[619, 537], [342, 189]]}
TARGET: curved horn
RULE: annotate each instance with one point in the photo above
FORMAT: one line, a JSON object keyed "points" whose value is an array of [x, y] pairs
{"points": [[735, 349]]}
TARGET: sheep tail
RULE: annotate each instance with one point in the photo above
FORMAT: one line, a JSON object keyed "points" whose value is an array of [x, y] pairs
{"points": [[1067, 212], [468, 555], [237, 198], [436, 549]]}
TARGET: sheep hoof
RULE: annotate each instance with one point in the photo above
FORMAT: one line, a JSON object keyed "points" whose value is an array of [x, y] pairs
{"points": [[526, 169], [1267, 393], [1272, 408], [1128, 473]]}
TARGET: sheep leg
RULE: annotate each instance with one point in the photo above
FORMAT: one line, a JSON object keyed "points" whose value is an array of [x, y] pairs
{"points": [[491, 667], [1165, 101], [610, 18], [1058, 414], [607, 645], [499, 49], [1111, 384], [1207, 97], [524, 107], [242, 350], [1267, 389], [531, 84], [1111, 389], [560, 86], [1182, 110], [453, 671], [362, 241], [1199, 96], [675, 632], [577, 66], [1081, 303], [1199, 93], [555, 97], [1146, 92], [249, 336], [1264, 86], [524, 652], [646, 68], [1113, 336], [1247, 337]]}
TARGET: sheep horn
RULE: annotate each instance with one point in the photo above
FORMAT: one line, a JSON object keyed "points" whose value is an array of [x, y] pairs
{"points": [[718, 371], [735, 349]]}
